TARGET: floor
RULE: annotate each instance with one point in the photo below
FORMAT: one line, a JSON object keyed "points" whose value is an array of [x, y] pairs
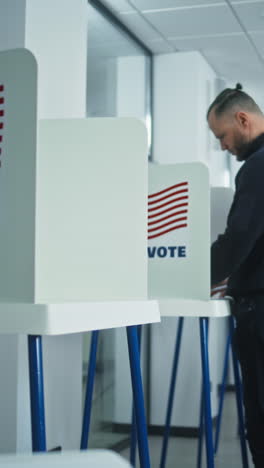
{"points": [[182, 452]]}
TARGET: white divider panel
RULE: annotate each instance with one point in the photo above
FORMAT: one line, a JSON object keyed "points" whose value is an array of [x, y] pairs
{"points": [[73, 213], [221, 200], [187, 397], [179, 231], [18, 82], [91, 210]]}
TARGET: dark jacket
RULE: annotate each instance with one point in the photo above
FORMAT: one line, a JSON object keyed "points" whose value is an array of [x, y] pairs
{"points": [[239, 252]]}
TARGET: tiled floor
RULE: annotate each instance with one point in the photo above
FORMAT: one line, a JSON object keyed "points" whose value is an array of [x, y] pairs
{"points": [[182, 452]]}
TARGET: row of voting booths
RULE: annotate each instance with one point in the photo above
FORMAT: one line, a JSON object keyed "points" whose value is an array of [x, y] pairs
{"points": [[87, 244]]}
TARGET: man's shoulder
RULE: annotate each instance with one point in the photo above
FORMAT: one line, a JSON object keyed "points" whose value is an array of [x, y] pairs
{"points": [[252, 170], [255, 161]]}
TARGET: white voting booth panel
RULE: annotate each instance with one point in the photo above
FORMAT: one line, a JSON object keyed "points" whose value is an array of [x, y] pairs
{"points": [[178, 231], [73, 246]]}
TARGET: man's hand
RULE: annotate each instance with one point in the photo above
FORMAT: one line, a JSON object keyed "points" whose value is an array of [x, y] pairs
{"points": [[219, 289]]}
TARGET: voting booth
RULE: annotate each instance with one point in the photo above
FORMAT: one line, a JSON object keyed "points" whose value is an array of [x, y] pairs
{"points": [[207, 209], [73, 203]]}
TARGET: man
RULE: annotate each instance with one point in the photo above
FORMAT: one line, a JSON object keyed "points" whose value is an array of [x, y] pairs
{"points": [[238, 255]]}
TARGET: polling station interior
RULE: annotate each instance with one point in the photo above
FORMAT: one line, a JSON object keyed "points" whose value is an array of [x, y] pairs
{"points": [[112, 189]]}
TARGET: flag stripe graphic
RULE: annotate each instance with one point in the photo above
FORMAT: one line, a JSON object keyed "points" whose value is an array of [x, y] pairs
{"points": [[167, 210], [2, 100], [177, 220], [168, 203], [167, 196], [167, 217], [167, 230], [164, 212], [167, 189]]}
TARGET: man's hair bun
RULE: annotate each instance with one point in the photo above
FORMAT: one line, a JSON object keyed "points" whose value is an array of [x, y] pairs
{"points": [[239, 87]]}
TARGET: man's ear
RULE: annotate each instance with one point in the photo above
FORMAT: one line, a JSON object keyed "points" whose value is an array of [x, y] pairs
{"points": [[242, 119]]}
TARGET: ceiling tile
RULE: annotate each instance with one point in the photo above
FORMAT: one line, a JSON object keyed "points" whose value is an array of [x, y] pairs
{"points": [[218, 19], [245, 1], [251, 15], [162, 4], [139, 26], [232, 68], [258, 39], [224, 44], [159, 46]]}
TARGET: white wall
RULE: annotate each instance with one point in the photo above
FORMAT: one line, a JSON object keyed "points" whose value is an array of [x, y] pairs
{"points": [[184, 87], [101, 87], [56, 33], [175, 107], [12, 24], [131, 87]]}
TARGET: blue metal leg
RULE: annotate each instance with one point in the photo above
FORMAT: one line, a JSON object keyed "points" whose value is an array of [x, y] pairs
{"points": [[201, 419], [206, 391], [133, 437], [171, 393], [222, 393], [89, 391], [201, 432], [239, 400], [132, 340], [36, 394]]}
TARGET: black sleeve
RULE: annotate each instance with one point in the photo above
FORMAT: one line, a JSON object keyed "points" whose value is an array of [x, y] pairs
{"points": [[245, 223]]}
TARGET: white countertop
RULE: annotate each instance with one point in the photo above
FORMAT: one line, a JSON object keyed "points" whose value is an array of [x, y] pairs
{"points": [[58, 319]]}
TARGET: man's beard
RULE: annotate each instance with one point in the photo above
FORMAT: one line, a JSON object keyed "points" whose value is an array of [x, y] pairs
{"points": [[242, 150]]}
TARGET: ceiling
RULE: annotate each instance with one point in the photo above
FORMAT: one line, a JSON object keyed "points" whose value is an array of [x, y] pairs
{"points": [[228, 33]]}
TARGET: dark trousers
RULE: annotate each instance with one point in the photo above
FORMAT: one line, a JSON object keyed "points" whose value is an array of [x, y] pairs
{"points": [[249, 345]]}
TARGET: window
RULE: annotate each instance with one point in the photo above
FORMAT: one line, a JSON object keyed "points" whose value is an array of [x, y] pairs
{"points": [[119, 77]]}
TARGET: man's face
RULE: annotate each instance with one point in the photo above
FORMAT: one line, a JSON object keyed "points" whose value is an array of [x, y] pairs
{"points": [[231, 135]]}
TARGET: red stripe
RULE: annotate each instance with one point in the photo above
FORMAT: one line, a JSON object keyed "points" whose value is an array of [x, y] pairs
{"points": [[166, 211], [167, 189], [1, 137], [184, 218], [168, 203], [1, 125], [2, 113], [167, 217], [2, 100], [1, 88], [168, 196], [168, 230]]}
